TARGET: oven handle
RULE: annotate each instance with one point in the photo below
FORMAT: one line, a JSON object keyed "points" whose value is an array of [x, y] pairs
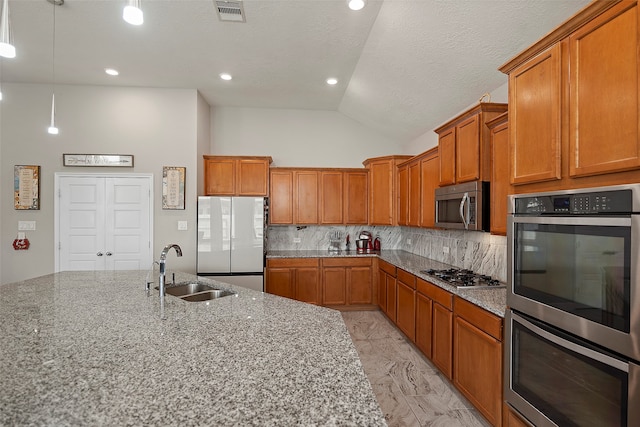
{"points": [[465, 221], [591, 354], [576, 220]]}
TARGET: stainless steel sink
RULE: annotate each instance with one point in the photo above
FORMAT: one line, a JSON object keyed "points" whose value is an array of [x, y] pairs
{"points": [[197, 291]]}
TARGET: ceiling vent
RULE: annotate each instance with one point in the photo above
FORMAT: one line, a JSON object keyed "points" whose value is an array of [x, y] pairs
{"points": [[230, 11]]}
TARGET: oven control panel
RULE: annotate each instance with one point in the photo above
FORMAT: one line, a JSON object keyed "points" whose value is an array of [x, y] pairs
{"points": [[594, 203]]}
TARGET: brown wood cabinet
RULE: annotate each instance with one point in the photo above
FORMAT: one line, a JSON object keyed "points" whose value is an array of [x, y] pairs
{"points": [[477, 359], [434, 334], [347, 282], [403, 194], [387, 289], [236, 175], [464, 144], [500, 182], [406, 303], [415, 201], [295, 278], [318, 196], [429, 181], [512, 419], [383, 189], [574, 103]]}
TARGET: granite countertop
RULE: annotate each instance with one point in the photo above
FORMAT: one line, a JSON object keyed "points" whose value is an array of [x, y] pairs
{"points": [[492, 300], [89, 348]]}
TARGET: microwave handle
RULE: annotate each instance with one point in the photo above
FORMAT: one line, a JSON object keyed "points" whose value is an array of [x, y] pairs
{"points": [[465, 220]]}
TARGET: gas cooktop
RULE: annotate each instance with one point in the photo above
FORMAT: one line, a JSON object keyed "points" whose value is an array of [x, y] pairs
{"points": [[464, 279]]}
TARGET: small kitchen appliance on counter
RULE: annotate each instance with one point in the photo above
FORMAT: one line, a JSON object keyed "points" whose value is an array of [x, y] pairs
{"points": [[364, 244]]}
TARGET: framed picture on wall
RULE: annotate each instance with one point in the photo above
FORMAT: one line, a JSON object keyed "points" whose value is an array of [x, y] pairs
{"points": [[113, 160], [26, 187], [173, 178]]}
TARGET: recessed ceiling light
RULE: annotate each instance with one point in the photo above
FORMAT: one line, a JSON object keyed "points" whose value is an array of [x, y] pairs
{"points": [[111, 71], [225, 76], [332, 81], [356, 4]]}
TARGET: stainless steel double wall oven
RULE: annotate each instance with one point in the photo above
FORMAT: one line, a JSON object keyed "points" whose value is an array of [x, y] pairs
{"points": [[573, 325]]}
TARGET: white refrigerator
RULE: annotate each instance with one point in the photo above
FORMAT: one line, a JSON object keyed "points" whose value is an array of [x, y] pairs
{"points": [[231, 240]]}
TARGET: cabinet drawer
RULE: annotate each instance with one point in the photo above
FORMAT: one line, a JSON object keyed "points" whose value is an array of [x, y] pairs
{"points": [[478, 317], [407, 278], [437, 294], [388, 268], [292, 262], [346, 262]]}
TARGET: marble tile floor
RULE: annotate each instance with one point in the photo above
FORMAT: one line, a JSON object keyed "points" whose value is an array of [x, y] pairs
{"points": [[409, 388]]}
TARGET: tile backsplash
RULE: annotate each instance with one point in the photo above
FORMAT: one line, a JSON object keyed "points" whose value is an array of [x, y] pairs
{"points": [[478, 251]]}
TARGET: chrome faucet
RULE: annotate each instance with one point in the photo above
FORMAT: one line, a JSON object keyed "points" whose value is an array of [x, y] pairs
{"points": [[161, 277]]}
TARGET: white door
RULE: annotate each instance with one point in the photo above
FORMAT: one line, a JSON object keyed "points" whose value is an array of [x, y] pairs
{"points": [[104, 222]]}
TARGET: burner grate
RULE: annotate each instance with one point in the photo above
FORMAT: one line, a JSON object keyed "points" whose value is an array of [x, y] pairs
{"points": [[463, 278]]}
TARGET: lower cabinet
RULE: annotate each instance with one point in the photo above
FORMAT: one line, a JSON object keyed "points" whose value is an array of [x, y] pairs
{"points": [[477, 359], [424, 323], [442, 339], [406, 303], [335, 282], [387, 289], [295, 278], [511, 418], [347, 282]]}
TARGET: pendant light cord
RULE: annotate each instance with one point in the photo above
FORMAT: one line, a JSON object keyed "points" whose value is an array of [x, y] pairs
{"points": [[53, 49]]}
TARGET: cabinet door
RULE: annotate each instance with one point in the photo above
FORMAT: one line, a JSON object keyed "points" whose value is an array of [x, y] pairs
{"points": [[406, 314], [382, 290], [281, 197], [442, 339], [252, 177], [280, 281], [430, 171], [447, 156], [334, 284], [535, 90], [604, 125], [305, 197], [424, 323], [381, 193], [359, 285], [414, 194], [391, 298], [403, 195], [468, 150], [219, 177], [356, 197], [307, 285], [331, 197], [499, 178], [478, 369]]}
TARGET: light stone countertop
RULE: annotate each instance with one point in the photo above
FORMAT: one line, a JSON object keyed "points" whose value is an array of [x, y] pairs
{"points": [[492, 300], [89, 348]]}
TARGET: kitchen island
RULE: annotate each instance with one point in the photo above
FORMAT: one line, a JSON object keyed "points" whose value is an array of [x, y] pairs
{"points": [[89, 348]]}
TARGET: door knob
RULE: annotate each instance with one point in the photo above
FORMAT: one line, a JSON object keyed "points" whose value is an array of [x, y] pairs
{"points": [[109, 254], [99, 254]]}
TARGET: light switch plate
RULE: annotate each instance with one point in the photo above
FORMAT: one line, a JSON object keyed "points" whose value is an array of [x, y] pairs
{"points": [[297, 240], [26, 225], [182, 225], [445, 249]]}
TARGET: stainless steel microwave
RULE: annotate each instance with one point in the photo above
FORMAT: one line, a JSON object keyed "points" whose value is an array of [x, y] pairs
{"points": [[463, 206]]}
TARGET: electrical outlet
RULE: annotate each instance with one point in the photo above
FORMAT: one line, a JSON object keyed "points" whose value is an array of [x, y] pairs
{"points": [[26, 225], [297, 240], [409, 241], [445, 249], [182, 225]]}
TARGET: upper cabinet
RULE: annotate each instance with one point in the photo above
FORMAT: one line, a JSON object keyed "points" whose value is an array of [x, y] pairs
{"points": [[573, 116], [236, 176], [464, 145], [500, 186], [383, 189], [318, 196], [418, 179]]}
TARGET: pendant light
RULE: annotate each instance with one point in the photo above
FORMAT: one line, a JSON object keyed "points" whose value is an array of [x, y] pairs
{"points": [[7, 49], [132, 12], [53, 129]]}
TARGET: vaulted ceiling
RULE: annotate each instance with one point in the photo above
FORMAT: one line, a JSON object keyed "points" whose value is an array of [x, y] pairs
{"points": [[403, 66]]}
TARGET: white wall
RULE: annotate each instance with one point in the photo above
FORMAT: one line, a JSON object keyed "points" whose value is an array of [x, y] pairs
{"points": [[430, 139], [298, 138], [158, 126]]}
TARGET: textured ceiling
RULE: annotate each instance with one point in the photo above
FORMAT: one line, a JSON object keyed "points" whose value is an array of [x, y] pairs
{"points": [[404, 66]]}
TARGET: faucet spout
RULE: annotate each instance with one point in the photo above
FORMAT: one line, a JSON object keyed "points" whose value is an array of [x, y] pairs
{"points": [[161, 276]]}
